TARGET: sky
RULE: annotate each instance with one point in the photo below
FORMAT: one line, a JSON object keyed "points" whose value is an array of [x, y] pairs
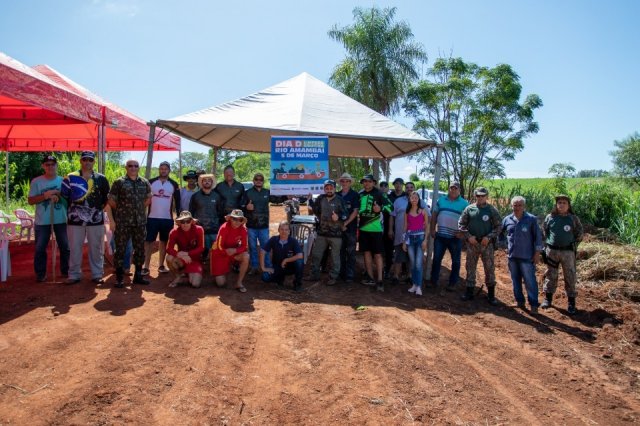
{"points": [[160, 59]]}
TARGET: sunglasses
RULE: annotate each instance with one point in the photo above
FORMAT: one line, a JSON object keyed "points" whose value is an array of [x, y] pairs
{"points": [[90, 160], [258, 180], [50, 164], [133, 166], [236, 219], [185, 222]]}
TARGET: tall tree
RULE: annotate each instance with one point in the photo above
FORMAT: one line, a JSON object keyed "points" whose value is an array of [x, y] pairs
{"points": [[381, 61], [626, 157], [563, 170], [475, 112]]}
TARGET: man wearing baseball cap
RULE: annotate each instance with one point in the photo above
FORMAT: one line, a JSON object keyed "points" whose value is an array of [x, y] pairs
{"points": [[480, 223], [331, 212], [44, 193], [371, 244], [86, 192]]}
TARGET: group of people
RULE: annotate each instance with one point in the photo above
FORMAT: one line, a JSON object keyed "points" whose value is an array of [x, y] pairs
{"points": [[228, 227]]}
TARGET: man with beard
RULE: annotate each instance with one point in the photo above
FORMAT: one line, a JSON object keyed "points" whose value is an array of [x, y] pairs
{"points": [[349, 229], [206, 208], [231, 192], [166, 200], [255, 204], [371, 204], [86, 192], [332, 213]]}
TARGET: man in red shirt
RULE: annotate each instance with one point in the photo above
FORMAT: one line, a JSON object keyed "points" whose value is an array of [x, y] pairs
{"points": [[184, 262], [230, 247]]}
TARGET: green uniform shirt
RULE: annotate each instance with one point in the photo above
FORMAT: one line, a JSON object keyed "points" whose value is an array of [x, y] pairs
{"points": [[130, 196], [562, 231], [480, 222]]}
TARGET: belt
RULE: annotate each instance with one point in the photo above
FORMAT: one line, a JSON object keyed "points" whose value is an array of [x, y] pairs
{"points": [[566, 248]]}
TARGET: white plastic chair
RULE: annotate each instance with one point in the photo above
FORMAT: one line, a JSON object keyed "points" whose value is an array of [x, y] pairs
{"points": [[26, 223], [7, 234], [305, 236]]}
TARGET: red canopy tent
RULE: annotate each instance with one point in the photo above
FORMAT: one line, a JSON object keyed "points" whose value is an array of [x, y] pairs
{"points": [[42, 110]]}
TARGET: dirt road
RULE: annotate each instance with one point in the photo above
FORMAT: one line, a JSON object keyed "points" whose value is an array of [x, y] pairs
{"points": [[154, 355]]}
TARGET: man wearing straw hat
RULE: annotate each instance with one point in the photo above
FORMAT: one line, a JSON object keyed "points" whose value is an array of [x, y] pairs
{"points": [[231, 247], [184, 261], [206, 207], [51, 217]]}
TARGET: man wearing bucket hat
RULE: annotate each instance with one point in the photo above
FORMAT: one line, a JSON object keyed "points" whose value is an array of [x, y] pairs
{"points": [[370, 225], [44, 192], [206, 207], [562, 233], [86, 191], [331, 212], [184, 248], [480, 222], [187, 192], [230, 247], [349, 228]]}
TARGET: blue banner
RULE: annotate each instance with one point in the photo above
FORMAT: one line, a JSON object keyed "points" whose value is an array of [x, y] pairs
{"points": [[299, 164]]}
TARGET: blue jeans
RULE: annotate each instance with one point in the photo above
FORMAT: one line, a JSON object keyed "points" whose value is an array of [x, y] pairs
{"points": [[43, 234], [255, 235], [292, 268], [524, 269], [440, 247], [126, 263], [414, 249]]}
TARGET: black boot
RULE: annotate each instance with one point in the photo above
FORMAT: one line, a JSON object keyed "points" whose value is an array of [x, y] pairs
{"points": [[571, 309], [546, 303], [468, 294], [137, 277], [119, 278], [491, 295]]}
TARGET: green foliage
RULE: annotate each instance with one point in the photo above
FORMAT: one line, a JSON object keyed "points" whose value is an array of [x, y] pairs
{"points": [[476, 113], [249, 164], [592, 173], [626, 157], [598, 204], [192, 161], [539, 200], [563, 170], [626, 223]]}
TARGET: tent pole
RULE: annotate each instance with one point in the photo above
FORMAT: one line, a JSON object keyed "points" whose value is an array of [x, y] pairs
{"points": [[101, 148], [6, 178], [434, 200], [152, 135]]}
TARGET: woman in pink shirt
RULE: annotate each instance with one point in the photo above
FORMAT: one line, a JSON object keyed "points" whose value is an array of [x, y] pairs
{"points": [[416, 228]]}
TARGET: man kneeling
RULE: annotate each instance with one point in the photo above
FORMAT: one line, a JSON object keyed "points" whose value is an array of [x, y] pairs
{"points": [[184, 262], [231, 247], [286, 257]]}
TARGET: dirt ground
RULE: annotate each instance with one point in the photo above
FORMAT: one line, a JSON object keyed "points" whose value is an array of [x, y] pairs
{"points": [[88, 354]]}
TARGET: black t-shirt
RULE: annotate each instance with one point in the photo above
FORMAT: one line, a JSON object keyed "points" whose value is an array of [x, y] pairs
{"points": [[279, 251]]}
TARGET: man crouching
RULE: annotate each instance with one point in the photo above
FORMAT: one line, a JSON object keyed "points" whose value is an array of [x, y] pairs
{"points": [[184, 262]]}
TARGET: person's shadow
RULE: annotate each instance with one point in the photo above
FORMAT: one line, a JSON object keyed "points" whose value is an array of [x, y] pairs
{"points": [[120, 300]]}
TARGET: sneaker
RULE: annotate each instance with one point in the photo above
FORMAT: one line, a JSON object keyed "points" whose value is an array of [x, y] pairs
{"points": [[418, 291], [144, 271], [522, 306], [534, 309], [163, 269], [368, 282], [412, 289], [451, 287], [41, 279], [128, 272], [380, 286], [546, 304], [332, 281], [571, 309]]}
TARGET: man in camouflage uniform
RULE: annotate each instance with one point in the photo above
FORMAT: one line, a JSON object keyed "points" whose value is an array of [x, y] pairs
{"points": [[331, 212], [129, 198], [480, 223], [562, 232]]}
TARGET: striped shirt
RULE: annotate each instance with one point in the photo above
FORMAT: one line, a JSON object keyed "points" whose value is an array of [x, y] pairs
{"points": [[449, 212]]}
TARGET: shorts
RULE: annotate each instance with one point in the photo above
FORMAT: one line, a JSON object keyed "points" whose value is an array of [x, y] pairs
{"points": [[157, 226], [371, 241], [400, 256], [220, 263]]}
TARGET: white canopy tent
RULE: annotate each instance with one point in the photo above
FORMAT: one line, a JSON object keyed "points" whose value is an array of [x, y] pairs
{"points": [[302, 105]]}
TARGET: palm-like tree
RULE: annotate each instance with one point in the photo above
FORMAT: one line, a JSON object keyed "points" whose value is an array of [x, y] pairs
{"points": [[381, 61]]}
